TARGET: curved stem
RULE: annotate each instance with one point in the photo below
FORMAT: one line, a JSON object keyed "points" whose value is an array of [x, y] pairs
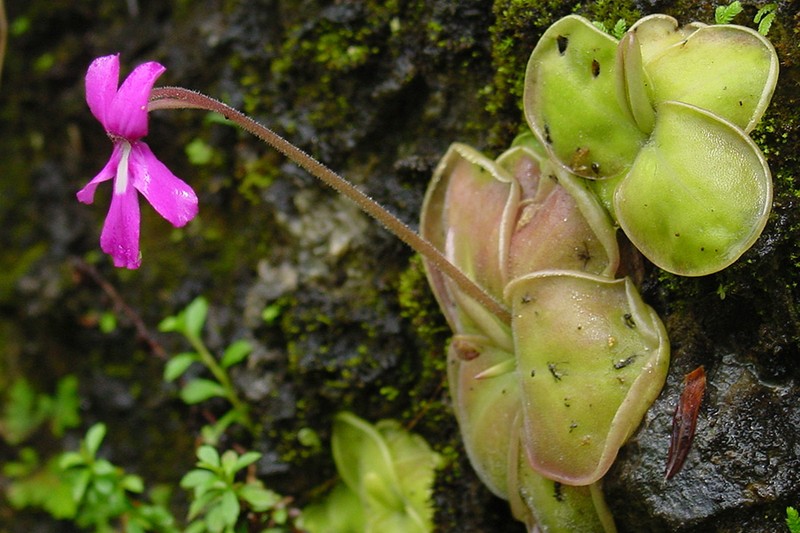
{"points": [[180, 98], [222, 378]]}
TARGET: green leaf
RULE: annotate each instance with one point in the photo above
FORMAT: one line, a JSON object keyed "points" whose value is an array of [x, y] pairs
{"points": [[199, 152], [70, 460], [225, 513], [730, 71], [725, 14], [202, 502], [197, 477], [571, 332], [247, 459], [94, 437], [133, 483], [765, 17], [698, 194], [171, 323], [571, 102], [792, 520], [107, 322], [235, 353], [80, 483], [179, 364], [65, 409], [228, 461], [24, 411], [258, 498], [199, 390], [208, 455], [195, 314], [619, 28]]}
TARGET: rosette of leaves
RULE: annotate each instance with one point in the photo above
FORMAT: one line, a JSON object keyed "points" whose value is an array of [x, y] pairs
{"points": [[662, 117], [546, 399], [387, 475]]}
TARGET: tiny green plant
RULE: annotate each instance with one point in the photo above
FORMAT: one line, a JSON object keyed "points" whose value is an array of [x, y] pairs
{"points": [[189, 323], [220, 497], [387, 476], [104, 494], [765, 17], [726, 14], [792, 520], [26, 410]]}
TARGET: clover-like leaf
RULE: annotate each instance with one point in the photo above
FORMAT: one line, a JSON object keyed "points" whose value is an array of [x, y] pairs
{"points": [[359, 450], [466, 215], [728, 70], [698, 194], [591, 358], [658, 32], [558, 222], [571, 102], [486, 400]]}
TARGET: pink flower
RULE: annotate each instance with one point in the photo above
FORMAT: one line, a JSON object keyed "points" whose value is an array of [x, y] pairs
{"points": [[133, 166]]}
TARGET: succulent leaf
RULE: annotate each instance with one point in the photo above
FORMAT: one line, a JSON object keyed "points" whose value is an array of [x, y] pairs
{"points": [[571, 102], [729, 70], [560, 508], [633, 85], [658, 32], [466, 216], [698, 194], [558, 223], [485, 407], [591, 358]]}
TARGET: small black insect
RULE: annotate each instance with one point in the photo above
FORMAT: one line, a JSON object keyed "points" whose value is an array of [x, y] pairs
{"points": [[622, 363], [562, 43], [595, 68], [557, 494], [553, 368]]}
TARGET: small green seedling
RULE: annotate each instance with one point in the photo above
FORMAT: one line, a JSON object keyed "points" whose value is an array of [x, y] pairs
{"points": [[103, 493], [220, 497], [387, 476], [189, 323]]}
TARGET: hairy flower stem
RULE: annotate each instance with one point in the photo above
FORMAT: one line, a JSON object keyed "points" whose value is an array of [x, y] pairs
{"points": [[180, 98]]}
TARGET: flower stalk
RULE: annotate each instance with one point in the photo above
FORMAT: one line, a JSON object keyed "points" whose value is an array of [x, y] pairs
{"points": [[180, 98]]}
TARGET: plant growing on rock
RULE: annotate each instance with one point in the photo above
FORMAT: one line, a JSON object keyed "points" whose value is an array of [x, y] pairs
{"points": [[387, 475], [555, 357], [661, 119]]}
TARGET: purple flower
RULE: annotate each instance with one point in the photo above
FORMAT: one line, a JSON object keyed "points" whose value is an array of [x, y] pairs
{"points": [[123, 113]]}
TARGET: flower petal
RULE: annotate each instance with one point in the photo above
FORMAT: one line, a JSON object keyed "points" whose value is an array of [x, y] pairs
{"points": [[86, 195], [127, 115], [169, 195], [102, 79], [120, 237]]}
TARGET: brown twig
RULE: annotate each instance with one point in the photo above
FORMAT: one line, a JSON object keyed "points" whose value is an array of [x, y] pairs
{"points": [[120, 306]]}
